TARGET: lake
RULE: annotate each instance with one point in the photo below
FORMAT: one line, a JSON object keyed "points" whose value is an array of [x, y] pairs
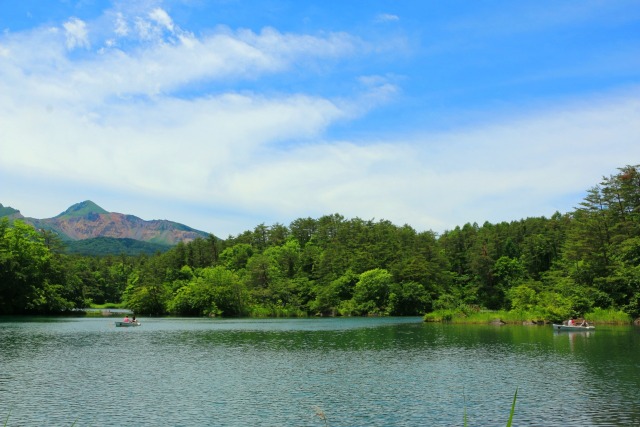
{"points": [[289, 372]]}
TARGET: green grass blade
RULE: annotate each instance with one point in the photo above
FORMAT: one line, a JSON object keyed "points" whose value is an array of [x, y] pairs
{"points": [[464, 397], [6, 420], [513, 408]]}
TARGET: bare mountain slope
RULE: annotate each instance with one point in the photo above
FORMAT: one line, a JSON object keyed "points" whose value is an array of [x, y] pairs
{"points": [[86, 220]]}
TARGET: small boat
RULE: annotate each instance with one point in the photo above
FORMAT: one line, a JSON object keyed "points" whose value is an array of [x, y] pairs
{"points": [[574, 328], [127, 324]]}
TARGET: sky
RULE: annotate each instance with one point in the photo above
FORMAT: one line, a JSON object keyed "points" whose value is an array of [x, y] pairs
{"points": [[225, 114]]}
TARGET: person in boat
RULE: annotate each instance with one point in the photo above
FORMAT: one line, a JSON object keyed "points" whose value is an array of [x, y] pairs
{"points": [[133, 320], [571, 322], [126, 319], [584, 323]]}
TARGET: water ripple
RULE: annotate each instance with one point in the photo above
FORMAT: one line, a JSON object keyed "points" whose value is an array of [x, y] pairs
{"points": [[374, 372]]}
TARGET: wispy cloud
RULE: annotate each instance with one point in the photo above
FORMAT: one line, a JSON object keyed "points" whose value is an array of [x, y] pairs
{"points": [[76, 32], [162, 18], [387, 17], [437, 181], [164, 66]]}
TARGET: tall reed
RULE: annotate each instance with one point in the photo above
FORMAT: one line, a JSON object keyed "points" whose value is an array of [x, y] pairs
{"points": [[511, 413], [513, 408]]}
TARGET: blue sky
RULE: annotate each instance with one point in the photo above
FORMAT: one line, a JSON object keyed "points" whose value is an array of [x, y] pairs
{"points": [[226, 114]]}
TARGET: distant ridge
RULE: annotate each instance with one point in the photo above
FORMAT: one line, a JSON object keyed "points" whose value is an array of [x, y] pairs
{"points": [[87, 220], [113, 246]]}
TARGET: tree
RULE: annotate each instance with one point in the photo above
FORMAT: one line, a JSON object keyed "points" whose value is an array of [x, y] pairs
{"points": [[147, 292], [328, 297], [262, 270], [24, 259], [286, 257], [589, 240], [303, 229], [522, 297], [371, 293], [236, 257], [408, 299], [507, 272]]}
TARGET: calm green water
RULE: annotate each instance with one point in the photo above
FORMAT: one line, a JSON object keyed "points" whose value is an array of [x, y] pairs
{"points": [[359, 371]]}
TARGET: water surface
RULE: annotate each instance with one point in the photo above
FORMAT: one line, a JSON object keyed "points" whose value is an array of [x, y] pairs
{"points": [[275, 372]]}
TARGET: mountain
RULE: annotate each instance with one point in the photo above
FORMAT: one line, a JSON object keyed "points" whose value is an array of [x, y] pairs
{"points": [[86, 220], [9, 212]]}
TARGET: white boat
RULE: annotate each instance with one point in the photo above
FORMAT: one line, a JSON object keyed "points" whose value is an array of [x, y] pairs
{"points": [[572, 328], [127, 324]]}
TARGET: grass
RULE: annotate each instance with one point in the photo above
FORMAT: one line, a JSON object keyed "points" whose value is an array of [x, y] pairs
{"points": [[517, 317], [483, 317], [464, 416], [608, 316], [511, 317], [513, 409], [275, 311], [108, 305], [511, 413]]}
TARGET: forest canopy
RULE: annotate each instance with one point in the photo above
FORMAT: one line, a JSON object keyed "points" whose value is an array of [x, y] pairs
{"points": [[565, 265]]}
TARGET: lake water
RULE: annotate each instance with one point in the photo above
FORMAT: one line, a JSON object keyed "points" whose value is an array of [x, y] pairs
{"points": [[275, 372]]}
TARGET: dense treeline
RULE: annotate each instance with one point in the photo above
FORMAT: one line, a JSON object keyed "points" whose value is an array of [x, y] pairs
{"points": [[555, 267], [103, 246]]}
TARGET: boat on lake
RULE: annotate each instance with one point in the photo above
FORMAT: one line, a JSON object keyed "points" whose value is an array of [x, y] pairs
{"points": [[572, 328], [127, 324]]}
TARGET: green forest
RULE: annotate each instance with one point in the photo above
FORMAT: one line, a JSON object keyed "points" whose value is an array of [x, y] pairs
{"points": [[573, 264]]}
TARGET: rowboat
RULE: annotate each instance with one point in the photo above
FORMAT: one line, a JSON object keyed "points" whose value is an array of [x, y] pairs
{"points": [[127, 324], [575, 328]]}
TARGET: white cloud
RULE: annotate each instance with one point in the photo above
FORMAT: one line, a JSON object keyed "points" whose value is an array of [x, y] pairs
{"points": [[162, 18], [146, 30], [226, 151], [76, 33], [387, 17], [84, 119], [438, 181], [121, 28], [158, 67], [178, 147]]}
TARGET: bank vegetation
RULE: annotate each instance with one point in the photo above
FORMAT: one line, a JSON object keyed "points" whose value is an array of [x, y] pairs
{"points": [[584, 263]]}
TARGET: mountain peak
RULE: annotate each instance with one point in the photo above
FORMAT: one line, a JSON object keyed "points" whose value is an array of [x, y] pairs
{"points": [[83, 209], [8, 210]]}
